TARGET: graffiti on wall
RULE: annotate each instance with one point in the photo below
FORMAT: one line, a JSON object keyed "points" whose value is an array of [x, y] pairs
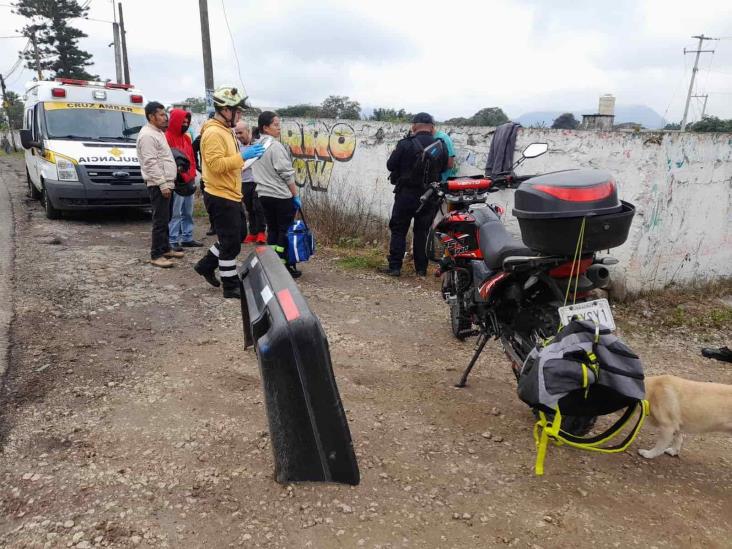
{"points": [[315, 148]]}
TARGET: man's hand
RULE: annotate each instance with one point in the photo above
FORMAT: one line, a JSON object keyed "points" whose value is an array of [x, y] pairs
{"points": [[166, 192], [255, 151]]}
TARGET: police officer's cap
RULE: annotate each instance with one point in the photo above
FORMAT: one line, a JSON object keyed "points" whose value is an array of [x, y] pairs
{"points": [[423, 118]]}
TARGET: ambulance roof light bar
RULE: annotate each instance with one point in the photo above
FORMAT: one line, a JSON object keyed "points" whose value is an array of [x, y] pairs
{"points": [[108, 85]]}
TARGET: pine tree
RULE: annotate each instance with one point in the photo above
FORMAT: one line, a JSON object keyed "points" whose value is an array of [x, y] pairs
{"points": [[57, 40]]}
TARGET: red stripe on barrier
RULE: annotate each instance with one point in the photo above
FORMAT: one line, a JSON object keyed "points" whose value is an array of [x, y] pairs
{"points": [[288, 305]]}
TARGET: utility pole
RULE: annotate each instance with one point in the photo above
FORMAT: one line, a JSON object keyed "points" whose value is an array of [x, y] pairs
{"points": [[698, 52], [207, 64], [117, 51], [123, 32], [35, 53]]}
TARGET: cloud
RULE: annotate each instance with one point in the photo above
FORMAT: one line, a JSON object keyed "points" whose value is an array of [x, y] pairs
{"points": [[450, 59]]}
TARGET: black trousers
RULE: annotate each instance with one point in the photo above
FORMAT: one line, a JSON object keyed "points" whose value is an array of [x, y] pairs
{"points": [[402, 214], [255, 213], [279, 213], [227, 218], [160, 219], [205, 204]]}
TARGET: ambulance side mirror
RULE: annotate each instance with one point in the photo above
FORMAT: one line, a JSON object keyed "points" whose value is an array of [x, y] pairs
{"points": [[26, 139]]}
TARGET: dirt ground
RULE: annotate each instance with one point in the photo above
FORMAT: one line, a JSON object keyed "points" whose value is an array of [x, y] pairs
{"points": [[131, 415]]}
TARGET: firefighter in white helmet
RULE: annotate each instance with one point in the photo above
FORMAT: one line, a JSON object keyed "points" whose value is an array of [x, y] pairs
{"points": [[222, 163]]}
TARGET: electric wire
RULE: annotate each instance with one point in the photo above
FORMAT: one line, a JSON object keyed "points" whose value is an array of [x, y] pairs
{"points": [[233, 46], [676, 88]]}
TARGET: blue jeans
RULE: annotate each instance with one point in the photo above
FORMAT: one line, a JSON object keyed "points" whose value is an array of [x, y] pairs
{"points": [[181, 220]]}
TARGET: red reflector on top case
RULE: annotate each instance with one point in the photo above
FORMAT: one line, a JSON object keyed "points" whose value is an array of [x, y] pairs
{"points": [[288, 305], [579, 194]]}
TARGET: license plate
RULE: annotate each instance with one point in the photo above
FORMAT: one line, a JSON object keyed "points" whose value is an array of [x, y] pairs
{"points": [[596, 311]]}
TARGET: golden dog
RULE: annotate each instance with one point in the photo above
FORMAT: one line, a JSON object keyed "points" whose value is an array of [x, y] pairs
{"points": [[681, 406]]}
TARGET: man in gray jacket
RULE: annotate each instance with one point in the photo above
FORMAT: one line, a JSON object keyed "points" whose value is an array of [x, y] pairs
{"points": [[159, 172]]}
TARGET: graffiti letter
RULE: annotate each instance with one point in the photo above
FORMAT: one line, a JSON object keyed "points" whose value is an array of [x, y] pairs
{"points": [[319, 172], [292, 137], [301, 171], [342, 143]]}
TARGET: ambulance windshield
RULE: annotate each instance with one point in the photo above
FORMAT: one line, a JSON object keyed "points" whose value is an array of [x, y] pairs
{"points": [[93, 124]]}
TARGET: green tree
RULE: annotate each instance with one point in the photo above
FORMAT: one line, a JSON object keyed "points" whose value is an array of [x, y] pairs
{"points": [[302, 110], [13, 107], [489, 116], [340, 106], [711, 124], [57, 40], [391, 115], [672, 126], [565, 121], [196, 104]]}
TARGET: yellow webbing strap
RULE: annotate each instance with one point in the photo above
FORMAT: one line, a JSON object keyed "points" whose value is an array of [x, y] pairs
{"points": [[545, 430]]}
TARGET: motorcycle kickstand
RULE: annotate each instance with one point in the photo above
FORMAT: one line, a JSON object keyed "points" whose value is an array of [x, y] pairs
{"points": [[483, 339]]}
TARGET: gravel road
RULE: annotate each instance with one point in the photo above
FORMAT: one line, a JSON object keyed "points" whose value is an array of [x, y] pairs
{"points": [[131, 415]]}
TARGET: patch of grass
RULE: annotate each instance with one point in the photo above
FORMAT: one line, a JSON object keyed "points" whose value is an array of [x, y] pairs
{"points": [[691, 310], [368, 259], [199, 209], [345, 217]]}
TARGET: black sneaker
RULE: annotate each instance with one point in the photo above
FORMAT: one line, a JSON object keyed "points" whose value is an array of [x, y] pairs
{"points": [[723, 353], [210, 277], [176, 247], [294, 273], [389, 271], [192, 244], [233, 292], [422, 273]]}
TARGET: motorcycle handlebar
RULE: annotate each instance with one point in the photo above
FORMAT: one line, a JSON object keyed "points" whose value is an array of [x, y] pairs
{"points": [[424, 198], [509, 181]]}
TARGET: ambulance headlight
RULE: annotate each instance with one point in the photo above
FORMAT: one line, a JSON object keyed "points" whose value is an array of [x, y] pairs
{"points": [[66, 170]]}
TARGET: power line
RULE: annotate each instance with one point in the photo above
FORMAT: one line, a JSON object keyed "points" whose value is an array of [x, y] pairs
{"points": [[233, 46], [676, 88]]}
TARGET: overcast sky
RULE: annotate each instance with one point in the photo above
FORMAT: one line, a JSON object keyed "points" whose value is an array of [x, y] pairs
{"points": [[449, 58]]}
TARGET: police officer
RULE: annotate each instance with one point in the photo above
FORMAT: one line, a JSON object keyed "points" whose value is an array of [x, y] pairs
{"points": [[417, 160]]}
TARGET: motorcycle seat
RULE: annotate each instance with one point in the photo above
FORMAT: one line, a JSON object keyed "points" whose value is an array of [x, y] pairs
{"points": [[496, 243]]}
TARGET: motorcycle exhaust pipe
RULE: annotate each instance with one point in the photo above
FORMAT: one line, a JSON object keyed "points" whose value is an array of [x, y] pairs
{"points": [[599, 275]]}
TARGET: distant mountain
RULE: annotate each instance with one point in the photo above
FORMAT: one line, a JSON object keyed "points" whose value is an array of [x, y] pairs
{"points": [[623, 113]]}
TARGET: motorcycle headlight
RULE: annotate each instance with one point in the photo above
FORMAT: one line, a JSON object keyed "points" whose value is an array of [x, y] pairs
{"points": [[66, 170]]}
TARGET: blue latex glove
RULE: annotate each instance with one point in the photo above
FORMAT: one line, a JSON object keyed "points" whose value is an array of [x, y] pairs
{"points": [[297, 201], [255, 151]]}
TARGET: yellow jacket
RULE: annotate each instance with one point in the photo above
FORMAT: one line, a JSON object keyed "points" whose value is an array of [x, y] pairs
{"points": [[222, 161]]}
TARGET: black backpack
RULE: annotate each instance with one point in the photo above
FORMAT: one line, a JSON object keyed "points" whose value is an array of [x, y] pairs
{"points": [[427, 165]]}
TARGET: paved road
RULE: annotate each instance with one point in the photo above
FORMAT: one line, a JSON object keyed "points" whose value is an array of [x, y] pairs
{"points": [[7, 252]]}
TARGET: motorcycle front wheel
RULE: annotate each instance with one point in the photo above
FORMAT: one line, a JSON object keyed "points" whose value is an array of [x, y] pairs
{"points": [[459, 320]]}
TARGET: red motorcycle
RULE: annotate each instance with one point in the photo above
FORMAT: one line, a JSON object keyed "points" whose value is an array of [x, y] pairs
{"points": [[522, 291]]}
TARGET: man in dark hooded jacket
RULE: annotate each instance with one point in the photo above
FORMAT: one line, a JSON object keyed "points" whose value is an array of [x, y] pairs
{"points": [[180, 227]]}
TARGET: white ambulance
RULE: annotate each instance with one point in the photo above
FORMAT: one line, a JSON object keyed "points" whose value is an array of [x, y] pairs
{"points": [[79, 140]]}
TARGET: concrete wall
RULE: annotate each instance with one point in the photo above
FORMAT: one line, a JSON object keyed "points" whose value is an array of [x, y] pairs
{"points": [[681, 185]]}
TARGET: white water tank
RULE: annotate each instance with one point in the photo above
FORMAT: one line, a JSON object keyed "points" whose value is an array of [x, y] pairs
{"points": [[607, 104]]}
